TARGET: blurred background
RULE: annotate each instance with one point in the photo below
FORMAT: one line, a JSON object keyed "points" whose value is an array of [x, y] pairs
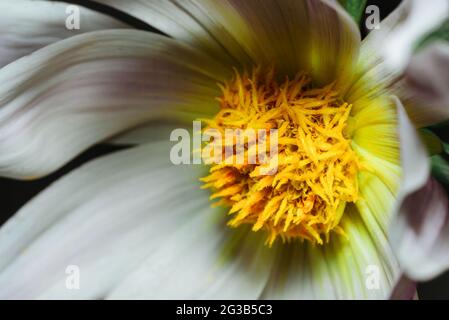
{"points": [[16, 193]]}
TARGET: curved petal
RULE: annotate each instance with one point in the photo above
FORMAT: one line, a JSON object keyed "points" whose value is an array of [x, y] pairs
{"points": [[376, 142], [386, 51], [421, 19], [414, 159], [420, 233], [317, 36], [26, 26], [72, 94], [103, 218], [375, 138]]}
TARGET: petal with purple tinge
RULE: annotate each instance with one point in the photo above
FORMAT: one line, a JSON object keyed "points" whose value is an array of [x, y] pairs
{"points": [[405, 289], [312, 35], [204, 260], [420, 232], [70, 95], [426, 85], [134, 226], [103, 218]]}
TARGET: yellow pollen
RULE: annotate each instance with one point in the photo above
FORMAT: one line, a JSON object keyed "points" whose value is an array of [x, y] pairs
{"points": [[316, 168]]}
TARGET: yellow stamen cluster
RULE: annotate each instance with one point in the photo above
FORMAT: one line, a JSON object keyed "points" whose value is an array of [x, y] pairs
{"points": [[316, 168]]}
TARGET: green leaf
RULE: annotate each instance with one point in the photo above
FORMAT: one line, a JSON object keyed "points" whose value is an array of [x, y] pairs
{"points": [[442, 33], [355, 8], [440, 169], [432, 141]]}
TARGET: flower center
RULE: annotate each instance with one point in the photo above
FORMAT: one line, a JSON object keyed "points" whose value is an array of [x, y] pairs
{"points": [[316, 174]]}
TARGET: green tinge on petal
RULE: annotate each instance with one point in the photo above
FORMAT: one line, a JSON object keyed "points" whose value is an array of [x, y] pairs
{"points": [[349, 262], [388, 172], [376, 200], [376, 206], [374, 258], [374, 127], [348, 281], [375, 138], [340, 269]]}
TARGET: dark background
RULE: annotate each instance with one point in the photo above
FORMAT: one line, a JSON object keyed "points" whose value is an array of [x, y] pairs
{"points": [[14, 193]]}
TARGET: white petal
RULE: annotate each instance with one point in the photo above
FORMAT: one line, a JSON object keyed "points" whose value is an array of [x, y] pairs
{"points": [[72, 94], [172, 18], [26, 26], [204, 260], [104, 218], [375, 206], [151, 131], [414, 159], [422, 18], [317, 36], [131, 216], [291, 277]]}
